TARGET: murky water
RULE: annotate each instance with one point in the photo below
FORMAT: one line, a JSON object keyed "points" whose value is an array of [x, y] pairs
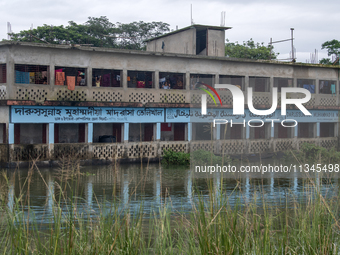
{"points": [[100, 187]]}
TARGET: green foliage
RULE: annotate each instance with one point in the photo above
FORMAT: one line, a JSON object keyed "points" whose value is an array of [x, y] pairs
{"points": [[202, 158], [214, 225], [199, 157], [311, 153], [98, 32], [333, 47], [325, 61], [171, 157], [250, 50]]}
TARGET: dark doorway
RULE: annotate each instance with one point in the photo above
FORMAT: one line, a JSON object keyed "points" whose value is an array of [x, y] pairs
{"points": [[148, 132], [117, 132], [179, 131], [201, 41]]}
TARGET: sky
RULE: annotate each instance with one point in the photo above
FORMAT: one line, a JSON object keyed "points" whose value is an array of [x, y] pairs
{"points": [[314, 22]]}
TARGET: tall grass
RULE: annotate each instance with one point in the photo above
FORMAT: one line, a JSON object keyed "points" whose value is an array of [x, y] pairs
{"points": [[214, 225]]}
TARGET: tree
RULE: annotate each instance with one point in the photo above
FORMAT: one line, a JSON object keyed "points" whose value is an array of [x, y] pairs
{"points": [[132, 35], [250, 50], [333, 48], [98, 32]]}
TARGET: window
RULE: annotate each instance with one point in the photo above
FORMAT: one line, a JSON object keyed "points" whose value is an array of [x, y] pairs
{"points": [[202, 131], [326, 129], [32, 74], [327, 87], [140, 79], [69, 133], [100, 130], [284, 132], [234, 132], [71, 76], [2, 73], [198, 80], [306, 130], [29, 133], [233, 80], [173, 131], [306, 84], [283, 83], [171, 80], [141, 132], [259, 84], [106, 78]]}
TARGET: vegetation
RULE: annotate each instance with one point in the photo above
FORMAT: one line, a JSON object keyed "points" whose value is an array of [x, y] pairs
{"points": [[250, 50], [308, 225], [311, 153], [171, 157], [97, 32], [198, 157], [333, 48]]}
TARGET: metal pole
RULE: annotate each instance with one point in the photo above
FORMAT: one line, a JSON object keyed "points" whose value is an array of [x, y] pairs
{"points": [[292, 38], [271, 44]]}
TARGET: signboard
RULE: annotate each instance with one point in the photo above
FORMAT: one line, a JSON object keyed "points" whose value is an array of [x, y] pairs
{"points": [[64, 114], [194, 115]]}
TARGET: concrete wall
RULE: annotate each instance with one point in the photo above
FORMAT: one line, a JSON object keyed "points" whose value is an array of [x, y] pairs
{"points": [[114, 59], [183, 42], [216, 43]]}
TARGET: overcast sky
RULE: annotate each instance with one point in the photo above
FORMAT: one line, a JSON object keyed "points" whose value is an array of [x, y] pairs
{"points": [[314, 21]]}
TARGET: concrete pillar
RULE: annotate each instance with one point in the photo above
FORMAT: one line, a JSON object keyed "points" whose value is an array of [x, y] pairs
{"points": [[217, 80], [317, 86], [156, 79], [126, 132], [124, 79], [187, 83], [52, 76], [247, 132], [89, 77], [50, 136], [317, 130], [189, 131], [217, 129], [10, 133], [246, 86], [50, 133], [272, 129], [158, 131], [10, 76], [90, 132], [296, 133]]}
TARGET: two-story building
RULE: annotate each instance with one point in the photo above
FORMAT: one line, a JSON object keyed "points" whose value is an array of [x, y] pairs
{"points": [[68, 99]]}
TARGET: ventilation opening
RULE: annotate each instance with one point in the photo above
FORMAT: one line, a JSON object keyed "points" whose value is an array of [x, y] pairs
{"points": [[201, 42]]}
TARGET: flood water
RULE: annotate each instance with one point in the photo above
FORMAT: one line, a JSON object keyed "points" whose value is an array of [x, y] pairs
{"points": [[130, 186]]}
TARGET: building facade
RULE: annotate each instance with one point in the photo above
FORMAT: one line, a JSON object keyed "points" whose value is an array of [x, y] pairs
{"points": [[61, 100]]}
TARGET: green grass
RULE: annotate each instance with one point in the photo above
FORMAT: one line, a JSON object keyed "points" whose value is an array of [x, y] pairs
{"points": [[214, 226]]}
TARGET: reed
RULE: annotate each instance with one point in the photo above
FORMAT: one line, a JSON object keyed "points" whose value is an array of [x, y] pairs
{"points": [[305, 225]]}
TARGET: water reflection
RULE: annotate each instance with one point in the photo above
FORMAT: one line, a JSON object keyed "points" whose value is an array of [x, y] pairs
{"points": [[126, 187]]}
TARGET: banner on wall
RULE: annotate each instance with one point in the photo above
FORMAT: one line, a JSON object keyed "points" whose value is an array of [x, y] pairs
{"points": [[194, 115], [64, 114]]}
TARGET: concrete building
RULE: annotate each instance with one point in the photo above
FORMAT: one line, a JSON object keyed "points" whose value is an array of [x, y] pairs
{"points": [[61, 100]]}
